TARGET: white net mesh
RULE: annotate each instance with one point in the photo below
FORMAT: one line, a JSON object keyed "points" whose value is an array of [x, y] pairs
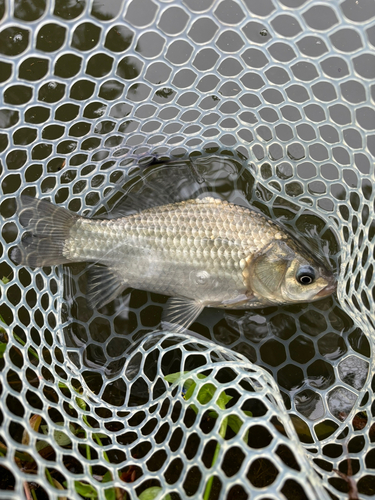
{"points": [[88, 89]]}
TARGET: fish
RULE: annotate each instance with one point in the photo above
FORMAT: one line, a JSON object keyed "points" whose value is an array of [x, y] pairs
{"points": [[201, 252]]}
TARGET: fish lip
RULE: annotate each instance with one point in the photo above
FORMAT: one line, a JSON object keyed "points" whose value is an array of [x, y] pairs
{"points": [[327, 290]]}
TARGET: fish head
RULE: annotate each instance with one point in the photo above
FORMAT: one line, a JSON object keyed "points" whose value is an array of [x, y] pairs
{"points": [[285, 273]]}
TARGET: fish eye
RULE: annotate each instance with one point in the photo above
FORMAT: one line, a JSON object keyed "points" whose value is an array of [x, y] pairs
{"points": [[305, 275]]}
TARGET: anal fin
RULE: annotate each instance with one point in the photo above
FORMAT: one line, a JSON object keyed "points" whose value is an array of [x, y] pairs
{"points": [[103, 285], [181, 312]]}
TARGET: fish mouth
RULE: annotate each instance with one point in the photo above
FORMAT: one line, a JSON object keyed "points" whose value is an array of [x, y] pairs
{"points": [[327, 290]]}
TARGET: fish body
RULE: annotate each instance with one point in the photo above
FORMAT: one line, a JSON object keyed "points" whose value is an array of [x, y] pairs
{"points": [[197, 249], [202, 252]]}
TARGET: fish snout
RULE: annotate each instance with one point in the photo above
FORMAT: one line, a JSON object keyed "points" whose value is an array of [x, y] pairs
{"points": [[329, 289]]}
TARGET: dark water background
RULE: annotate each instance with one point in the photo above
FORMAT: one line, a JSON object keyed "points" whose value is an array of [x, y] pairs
{"points": [[300, 345]]}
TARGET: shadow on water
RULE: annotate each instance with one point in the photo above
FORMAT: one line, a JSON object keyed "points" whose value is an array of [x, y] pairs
{"points": [[303, 346]]}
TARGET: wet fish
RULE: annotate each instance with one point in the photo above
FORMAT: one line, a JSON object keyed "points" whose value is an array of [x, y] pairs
{"points": [[201, 252]]}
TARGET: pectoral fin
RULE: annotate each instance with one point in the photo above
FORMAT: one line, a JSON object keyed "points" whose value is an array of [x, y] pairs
{"points": [[103, 285], [181, 312]]}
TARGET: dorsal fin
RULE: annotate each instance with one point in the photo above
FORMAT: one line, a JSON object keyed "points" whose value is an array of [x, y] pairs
{"points": [[160, 185], [172, 182]]}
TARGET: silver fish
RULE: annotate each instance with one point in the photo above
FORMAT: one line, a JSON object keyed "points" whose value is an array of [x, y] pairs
{"points": [[201, 252]]}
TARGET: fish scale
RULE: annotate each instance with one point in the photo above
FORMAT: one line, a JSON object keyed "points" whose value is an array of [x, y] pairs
{"points": [[202, 235], [200, 229], [201, 252]]}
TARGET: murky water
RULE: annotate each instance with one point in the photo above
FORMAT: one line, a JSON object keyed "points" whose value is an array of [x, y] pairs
{"points": [[301, 344]]}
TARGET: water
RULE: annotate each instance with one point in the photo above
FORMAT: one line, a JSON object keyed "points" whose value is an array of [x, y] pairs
{"points": [[301, 345]]}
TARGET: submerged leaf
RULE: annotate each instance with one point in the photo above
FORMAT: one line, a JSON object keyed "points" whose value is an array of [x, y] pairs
{"points": [[3, 347], [3, 449], [110, 494], [174, 377], [34, 422], [61, 438], [223, 400], [86, 490], [23, 343], [153, 493], [107, 477], [206, 393], [40, 445], [2, 329], [190, 388], [44, 429], [81, 403], [98, 435], [235, 423], [59, 486]]}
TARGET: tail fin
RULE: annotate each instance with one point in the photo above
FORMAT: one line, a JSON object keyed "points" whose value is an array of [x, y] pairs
{"points": [[47, 228]]}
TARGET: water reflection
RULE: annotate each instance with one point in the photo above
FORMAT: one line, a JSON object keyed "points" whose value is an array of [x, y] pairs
{"points": [[296, 343], [341, 402], [253, 325], [353, 370], [309, 404]]}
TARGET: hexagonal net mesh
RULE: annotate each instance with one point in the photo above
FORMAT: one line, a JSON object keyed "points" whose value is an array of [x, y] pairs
{"points": [[265, 404]]}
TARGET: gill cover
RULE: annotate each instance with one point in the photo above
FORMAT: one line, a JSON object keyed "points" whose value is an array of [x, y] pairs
{"points": [[268, 271]]}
